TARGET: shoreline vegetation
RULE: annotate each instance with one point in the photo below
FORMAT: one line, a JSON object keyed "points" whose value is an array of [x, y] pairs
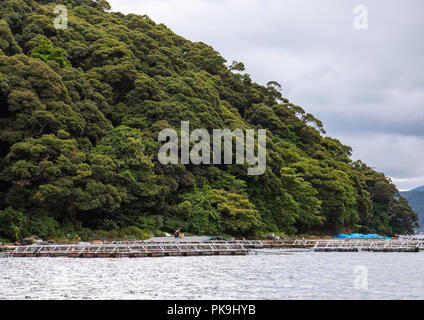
{"points": [[80, 113]]}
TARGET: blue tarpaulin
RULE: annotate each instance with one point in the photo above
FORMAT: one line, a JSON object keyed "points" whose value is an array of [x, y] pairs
{"points": [[359, 236]]}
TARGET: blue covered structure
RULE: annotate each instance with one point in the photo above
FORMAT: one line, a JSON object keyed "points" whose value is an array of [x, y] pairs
{"points": [[359, 236]]}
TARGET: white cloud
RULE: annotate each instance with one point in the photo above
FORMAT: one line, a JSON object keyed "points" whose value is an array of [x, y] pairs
{"points": [[398, 154]]}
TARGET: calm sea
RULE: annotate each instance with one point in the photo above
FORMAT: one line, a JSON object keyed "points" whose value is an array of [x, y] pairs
{"points": [[264, 274]]}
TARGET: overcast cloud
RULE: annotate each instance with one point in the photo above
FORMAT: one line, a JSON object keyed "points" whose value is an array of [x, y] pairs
{"points": [[365, 85]]}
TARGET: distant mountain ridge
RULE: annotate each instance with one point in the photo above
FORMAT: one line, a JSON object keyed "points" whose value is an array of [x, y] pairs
{"points": [[421, 189], [416, 201]]}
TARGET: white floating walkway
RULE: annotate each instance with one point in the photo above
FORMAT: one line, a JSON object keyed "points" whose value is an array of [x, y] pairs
{"points": [[136, 249], [131, 250]]}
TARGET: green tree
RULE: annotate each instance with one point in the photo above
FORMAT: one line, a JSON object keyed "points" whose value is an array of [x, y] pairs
{"points": [[45, 52]]}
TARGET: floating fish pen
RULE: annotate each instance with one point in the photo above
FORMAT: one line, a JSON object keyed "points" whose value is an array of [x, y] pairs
{"points": [[343, 245], [288, 244], [188, 247], [134, 250], [247, 244], [369, 245]]}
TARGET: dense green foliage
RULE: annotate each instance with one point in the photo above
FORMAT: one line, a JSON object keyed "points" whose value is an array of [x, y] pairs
{"points": [[80, 113]]}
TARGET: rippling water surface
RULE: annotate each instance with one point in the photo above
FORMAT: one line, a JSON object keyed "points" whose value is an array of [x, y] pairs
{"points": [[264, 275]]}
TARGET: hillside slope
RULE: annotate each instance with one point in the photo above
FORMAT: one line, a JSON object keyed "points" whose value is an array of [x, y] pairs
{"points": [[80, 113]]}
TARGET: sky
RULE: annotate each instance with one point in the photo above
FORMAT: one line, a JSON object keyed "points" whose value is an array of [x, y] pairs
{"points": [[360, 72]]}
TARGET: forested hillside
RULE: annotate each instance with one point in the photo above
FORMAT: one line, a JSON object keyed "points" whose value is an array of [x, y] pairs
{"points": [[80, 113]]}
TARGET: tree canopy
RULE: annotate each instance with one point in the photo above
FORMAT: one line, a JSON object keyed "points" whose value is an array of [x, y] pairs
{"points": [[80, 113]]}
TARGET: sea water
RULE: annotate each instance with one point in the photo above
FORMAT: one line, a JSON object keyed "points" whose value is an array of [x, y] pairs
{"points": [[263, 274]]}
